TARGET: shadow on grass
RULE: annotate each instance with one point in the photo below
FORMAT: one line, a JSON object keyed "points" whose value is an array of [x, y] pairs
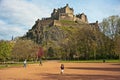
{"points": [[94, 68], [116, 64], [49, 76]]}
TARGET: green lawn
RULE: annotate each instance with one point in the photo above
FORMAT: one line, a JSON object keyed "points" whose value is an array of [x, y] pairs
{"points": [[10, 65], [16, 64], [92, 61]]}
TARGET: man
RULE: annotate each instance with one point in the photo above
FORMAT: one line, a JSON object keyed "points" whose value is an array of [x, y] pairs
{"points": [[25, 62]]}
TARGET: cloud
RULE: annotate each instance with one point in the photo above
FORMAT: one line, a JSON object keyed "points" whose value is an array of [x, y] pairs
{"points": [[7, 30], [18, 16], [19, 11]]}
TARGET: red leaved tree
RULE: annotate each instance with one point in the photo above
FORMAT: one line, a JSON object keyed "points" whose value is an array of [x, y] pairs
{"points": [[40, 52]]}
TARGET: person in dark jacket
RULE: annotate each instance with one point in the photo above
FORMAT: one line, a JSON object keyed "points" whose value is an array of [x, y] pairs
{"points": [[62, 68]]}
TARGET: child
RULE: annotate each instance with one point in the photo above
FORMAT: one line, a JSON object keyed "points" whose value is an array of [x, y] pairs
{"points": [[62, 68]]}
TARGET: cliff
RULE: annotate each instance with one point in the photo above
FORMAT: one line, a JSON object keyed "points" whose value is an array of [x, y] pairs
{"points": [[54, 31]]}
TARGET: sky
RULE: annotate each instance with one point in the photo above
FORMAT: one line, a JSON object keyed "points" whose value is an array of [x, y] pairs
{"points": [[18, 16]]}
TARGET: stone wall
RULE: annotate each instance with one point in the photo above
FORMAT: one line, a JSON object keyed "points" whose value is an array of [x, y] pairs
{"points": [[65, 16], [56, 23], [94, 25], [46, 22]]}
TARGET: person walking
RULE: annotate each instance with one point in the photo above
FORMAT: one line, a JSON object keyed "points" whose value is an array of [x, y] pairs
{"points": [[25, 63], [62, 68], [40, 62]]}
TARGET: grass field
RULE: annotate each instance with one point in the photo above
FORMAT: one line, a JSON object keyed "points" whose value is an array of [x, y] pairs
{"points": [[91, 61], [15, 64]]}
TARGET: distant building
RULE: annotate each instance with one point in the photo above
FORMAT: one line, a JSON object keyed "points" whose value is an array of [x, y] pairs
{"points": [[67, 13]]}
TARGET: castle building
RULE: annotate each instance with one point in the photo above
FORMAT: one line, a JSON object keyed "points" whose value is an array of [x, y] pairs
{"points": [[64, 13], [67, 13]]}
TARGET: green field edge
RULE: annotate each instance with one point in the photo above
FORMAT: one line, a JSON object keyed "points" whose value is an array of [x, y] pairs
{"points": [[90, 61], [15, 64]]}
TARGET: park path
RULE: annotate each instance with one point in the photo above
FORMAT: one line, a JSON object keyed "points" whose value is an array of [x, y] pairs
{"points": [[73, 71]]}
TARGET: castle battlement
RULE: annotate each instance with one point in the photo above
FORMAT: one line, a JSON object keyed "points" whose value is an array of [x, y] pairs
{"points": [[66, 13]]}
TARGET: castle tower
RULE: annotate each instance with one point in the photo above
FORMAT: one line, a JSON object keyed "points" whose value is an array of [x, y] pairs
{"points": [[82, 17], [64, 13], [54, 14], [69, 10]]}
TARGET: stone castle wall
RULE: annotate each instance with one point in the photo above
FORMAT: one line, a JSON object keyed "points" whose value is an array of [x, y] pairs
{"points": [[65, 13], [66, 17], [56, 23], [46, 22]]}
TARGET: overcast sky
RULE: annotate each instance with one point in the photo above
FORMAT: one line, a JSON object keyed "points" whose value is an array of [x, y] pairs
{"points": [[18, 16]]}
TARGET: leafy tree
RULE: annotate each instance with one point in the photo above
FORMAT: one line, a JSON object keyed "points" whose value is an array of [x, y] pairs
{"points": [[117, 46], [24, 49], [5, 50], [117, 38], [50, 52], [110, 27]]}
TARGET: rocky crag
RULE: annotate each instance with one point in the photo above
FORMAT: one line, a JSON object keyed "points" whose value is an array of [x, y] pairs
{"points": [[62, 24]]}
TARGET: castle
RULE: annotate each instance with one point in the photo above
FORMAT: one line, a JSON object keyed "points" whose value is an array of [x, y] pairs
{"points": [[65, 13]]}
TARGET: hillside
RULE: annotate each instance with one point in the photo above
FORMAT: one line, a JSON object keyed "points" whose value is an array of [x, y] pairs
{"points": [[54, 31]]}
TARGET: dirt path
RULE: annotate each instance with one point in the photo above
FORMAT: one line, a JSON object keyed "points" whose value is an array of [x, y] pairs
{"points": [[73, 71]]}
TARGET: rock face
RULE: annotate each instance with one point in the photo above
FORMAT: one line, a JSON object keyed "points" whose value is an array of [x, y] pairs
{"points": [[44, 31], [54, 31], [58, 27]]}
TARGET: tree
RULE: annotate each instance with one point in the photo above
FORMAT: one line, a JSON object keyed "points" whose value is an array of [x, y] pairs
{"points": [[110, 27], [5, 50], [24, 49], [117, 46], [50, 52], [117, 39], [40, 52]]}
